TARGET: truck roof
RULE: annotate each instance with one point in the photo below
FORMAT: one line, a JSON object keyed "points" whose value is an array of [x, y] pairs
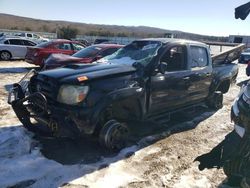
{"points": [[170, 40]]}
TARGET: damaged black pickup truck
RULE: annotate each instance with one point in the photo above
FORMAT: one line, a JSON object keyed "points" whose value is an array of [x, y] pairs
{"points": [[147, 79]]}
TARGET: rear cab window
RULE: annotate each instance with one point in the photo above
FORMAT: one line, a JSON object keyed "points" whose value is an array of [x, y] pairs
{"points": [[29, 35]]}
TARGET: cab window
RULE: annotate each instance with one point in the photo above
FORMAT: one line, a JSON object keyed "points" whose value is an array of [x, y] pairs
{"points": [[175, 57], [199, 56], [29, 35], [36, 36]]}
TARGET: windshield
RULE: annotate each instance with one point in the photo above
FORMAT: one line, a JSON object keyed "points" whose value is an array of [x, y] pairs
{"points": [[87, 52], [138, 51]]}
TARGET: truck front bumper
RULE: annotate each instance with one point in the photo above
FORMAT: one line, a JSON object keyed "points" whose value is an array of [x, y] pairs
{"points": [[39, 116]]}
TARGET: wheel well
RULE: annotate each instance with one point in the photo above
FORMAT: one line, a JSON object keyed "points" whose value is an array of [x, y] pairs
{"points": [[127, 109], [122, 110], [224, 86], [6, 51]]}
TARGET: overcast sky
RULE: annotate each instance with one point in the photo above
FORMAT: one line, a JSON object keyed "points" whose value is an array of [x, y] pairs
{"points": [[211, 17]]}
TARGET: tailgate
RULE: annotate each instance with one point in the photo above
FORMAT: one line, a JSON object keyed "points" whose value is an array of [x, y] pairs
{"points": [[228, 56]]}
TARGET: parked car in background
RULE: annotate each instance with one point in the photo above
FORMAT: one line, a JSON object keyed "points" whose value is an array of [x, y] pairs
{"points": [[32, 36], [38, 54], [86, 55], [82, 41], [14, 48], [99, 41], [245, 56]]}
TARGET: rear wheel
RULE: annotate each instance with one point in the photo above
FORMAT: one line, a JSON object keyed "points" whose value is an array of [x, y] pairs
{"points": [[113, 135], [215, 101], [5, 55]]}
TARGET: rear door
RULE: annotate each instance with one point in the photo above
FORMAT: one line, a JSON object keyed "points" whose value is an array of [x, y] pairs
{"points": [[201, 76], [169, 90], [17, 49]]}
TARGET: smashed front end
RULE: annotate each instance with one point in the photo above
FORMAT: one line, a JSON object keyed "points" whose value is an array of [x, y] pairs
{"points": [[35, 102]]}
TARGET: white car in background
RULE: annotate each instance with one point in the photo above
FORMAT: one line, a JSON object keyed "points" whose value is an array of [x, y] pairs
{"points": [[34, 37], [14, 48]]}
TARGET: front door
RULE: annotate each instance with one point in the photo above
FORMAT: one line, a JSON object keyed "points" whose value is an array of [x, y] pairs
{"points": [[169, 90]]}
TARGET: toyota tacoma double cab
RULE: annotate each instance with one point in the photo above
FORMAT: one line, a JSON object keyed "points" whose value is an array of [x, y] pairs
{"points": [[147, 79]]}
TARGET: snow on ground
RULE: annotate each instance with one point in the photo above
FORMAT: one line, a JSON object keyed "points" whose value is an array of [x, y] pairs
{"points": [[161, 160]]}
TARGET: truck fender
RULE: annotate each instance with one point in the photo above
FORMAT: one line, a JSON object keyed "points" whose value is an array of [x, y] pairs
{"points": [[113, 97], [218, 82]]}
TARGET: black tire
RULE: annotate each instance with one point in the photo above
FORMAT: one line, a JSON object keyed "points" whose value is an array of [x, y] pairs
{"points": [[113, 135], [215, 101], [5, 55]]}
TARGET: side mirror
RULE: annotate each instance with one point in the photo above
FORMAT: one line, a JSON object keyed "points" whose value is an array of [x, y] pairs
{"points": [[163, 67]]}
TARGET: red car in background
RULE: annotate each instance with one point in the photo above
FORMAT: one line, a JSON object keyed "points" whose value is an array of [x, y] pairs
{"points": [[86, 55], [39, 53]]}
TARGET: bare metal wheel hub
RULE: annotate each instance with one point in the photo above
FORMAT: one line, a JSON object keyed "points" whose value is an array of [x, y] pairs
{"points": [[113, 135]]}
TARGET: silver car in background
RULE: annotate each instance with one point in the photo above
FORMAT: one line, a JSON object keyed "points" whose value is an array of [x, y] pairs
{"points": [[14, 48]]}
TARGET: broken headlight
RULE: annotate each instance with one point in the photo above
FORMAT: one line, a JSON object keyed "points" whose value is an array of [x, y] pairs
{"points": [[72, 95]]}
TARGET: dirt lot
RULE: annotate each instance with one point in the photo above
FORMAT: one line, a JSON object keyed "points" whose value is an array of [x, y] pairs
{"points": [[163, 159]]}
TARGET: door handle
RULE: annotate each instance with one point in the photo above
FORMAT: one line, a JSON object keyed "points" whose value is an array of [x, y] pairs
{"points": [[203, 74], [186, 78]]}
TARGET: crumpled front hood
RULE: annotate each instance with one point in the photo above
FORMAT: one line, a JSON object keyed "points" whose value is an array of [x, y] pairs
{"points": [[70, 73]]}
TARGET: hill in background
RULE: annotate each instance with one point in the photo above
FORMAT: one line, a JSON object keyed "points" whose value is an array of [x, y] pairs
{"points": [[29, 24]]}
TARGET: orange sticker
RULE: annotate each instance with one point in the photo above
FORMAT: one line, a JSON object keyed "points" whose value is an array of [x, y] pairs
{"points": [[82, 78]]}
